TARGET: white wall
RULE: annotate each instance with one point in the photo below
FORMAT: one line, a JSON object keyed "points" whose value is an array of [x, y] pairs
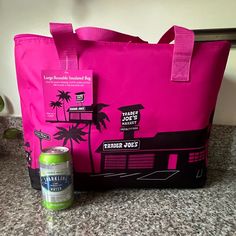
{"points": [[148, 19]]}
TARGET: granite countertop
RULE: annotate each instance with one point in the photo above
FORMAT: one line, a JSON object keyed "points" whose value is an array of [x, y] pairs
{"points": [[207, 211]]}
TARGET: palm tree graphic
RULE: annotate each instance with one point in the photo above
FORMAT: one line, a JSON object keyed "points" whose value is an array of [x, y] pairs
{"points": [[64, 96], [99, 122], [73, 133], [56, 105]]}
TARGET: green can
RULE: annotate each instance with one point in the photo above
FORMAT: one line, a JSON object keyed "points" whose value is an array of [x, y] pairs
{"points": [[56, 178]]}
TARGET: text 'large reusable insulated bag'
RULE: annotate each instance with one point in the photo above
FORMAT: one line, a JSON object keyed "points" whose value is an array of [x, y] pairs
{"points": [[133, 114]]}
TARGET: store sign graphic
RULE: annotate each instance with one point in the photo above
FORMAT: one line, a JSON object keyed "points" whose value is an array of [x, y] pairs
{"points": [[121, 145]]}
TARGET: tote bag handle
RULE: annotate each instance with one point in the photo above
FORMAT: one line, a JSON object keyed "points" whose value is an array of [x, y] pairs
{"points": [[66, 43], [100, 34], [182, 53]]}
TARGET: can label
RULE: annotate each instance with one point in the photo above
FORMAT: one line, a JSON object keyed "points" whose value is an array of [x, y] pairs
{"points": [[56, 182]]}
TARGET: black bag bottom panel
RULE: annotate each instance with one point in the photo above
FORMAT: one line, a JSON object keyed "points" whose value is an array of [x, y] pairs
{"points": [[190, 178]]}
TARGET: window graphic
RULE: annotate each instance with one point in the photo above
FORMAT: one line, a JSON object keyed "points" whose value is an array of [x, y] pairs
{"points": [[122, 162], [197, 156], [113, 162], [141, 161]]}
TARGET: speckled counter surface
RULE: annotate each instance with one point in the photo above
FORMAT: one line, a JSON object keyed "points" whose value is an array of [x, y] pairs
{"points": [[207, 211]]}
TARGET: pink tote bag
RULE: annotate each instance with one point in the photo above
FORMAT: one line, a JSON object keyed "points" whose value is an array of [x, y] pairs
{"points": [[133, 114]]}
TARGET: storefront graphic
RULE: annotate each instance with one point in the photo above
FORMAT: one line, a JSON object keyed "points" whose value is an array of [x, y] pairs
{"points": [[155, 158]]}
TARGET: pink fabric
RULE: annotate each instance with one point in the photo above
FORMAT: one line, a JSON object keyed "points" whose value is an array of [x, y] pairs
{"points": [[125, 73]]}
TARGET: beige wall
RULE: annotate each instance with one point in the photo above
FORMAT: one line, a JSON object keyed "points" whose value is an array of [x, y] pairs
{"points": [[148, 19]]}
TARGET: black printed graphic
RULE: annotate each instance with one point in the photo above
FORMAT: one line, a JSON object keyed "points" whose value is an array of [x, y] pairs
{"points": [[56, 105], [99, 120], [130, 118], [73, 114], [73, 134], [41, 136], [28, 153], [168, 159], [80, 97], [160, 157], [64, 97], [121, 145], [76, 133], [73, 110]]}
